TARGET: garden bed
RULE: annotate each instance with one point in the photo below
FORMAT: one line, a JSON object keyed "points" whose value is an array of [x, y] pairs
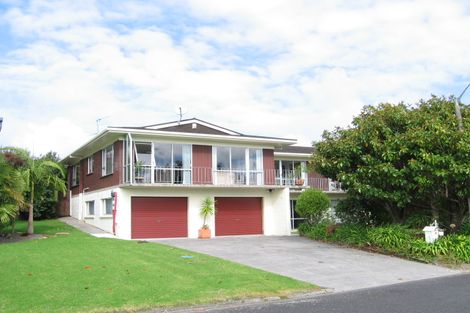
{"points": [[396, 240]]}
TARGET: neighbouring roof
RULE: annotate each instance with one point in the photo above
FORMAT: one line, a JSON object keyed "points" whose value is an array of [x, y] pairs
{"points": [[294, 149]]}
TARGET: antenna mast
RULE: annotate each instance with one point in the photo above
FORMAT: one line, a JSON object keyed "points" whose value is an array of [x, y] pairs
{"points": [[181, 116], [98, 122]]}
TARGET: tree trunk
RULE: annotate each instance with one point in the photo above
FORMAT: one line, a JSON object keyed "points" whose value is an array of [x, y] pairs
{"points": [[13, 225], [31, 212], [393, 212], [30, 219], [435, 211]]}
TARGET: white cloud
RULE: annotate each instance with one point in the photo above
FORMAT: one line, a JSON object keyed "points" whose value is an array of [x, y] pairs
{"points": [[280, 68]]}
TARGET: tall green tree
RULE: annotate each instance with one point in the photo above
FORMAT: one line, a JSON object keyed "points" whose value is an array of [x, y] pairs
{"points": [[39, 173], [402, 159], [11, 187]]}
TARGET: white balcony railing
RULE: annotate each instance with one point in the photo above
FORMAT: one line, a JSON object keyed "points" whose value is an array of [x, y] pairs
{"points": [[147, 174]]}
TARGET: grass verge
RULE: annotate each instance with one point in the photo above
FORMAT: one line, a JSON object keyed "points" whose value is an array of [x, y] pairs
{"points": [[81, 273]]}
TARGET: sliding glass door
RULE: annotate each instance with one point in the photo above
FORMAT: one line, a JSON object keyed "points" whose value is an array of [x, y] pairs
{"points": [[172, 163], [237, 166]]}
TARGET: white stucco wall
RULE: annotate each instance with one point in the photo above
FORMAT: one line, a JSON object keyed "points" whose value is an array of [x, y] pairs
{"points": [[99, 219], [276, 216], [75, 206]]}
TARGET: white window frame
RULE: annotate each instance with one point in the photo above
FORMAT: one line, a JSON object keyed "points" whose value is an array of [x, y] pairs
{"points": [[87, 208], [187, 172], [75, 181], [248, 170], [281, 177], [103, 207], [90, 164], [104, 170]]}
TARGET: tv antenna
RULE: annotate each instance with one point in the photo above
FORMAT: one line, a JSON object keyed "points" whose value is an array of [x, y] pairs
{"points": [[98, 122], [180, 114]]}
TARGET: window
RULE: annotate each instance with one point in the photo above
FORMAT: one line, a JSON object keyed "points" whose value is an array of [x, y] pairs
{"points": [[108, 206], [289, 172], [143, 162], [107, 160], [172, 163], [236, 165], [90, 208], [90, 161], [75, 175]]}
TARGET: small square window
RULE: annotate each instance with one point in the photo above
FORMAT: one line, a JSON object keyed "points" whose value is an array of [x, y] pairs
{"points": [[108, 206], [90, 208]]}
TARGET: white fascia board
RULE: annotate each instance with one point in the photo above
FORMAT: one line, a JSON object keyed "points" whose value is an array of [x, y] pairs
{"points": [[78, 154], [208, 137], [282, 154]]}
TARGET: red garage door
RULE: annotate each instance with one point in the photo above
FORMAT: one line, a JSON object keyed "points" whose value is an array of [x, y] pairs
{"points": [[159, 217], [238, 216]]}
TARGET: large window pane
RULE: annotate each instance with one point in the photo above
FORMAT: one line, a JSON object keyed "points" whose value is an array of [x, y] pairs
{"points": [[238, 159], [223, 158], [162, 155], [177, 156], [253, 162]]}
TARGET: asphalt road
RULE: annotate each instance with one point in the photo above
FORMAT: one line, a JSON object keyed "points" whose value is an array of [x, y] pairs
{"points": [[449, 294]]}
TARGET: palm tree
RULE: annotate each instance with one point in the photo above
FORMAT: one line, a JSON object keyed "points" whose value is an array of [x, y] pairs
{"points": [[12, 186], [40, 172]]}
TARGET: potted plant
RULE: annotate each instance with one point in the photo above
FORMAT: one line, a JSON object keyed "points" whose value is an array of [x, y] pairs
{"points": [[299, 169], [139, 172], [207, 209]]}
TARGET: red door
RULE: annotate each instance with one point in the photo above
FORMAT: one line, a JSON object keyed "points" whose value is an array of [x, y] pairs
{"points": [[159, 217], [238, 216]]}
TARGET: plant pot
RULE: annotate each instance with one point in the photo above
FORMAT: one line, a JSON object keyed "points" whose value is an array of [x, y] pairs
{"points": [[204, 233], [299, 182]]}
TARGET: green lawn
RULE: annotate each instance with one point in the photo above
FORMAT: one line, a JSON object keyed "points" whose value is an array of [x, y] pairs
{"points": [[81, 273]]}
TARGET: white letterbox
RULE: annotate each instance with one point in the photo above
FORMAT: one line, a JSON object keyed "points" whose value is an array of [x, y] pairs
{"points": [[432, 232]]}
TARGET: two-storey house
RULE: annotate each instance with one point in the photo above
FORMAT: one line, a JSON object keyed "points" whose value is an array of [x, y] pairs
{"points": [[149, 182]]}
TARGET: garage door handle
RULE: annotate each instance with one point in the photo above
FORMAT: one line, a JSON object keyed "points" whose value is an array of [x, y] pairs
{"points": [[158, 221], [236, 219]]}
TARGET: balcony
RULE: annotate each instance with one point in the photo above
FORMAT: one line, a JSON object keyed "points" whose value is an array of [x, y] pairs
{"points": [[151, 175]]}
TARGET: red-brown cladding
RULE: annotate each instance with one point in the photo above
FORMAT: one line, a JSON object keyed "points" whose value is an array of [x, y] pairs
{"points": [[268, 165], [159, 217], [238, 216], [202, 164], [95, 180]]}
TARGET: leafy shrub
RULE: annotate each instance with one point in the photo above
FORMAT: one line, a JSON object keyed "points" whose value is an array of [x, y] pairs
{"points": [[353, 211], [459, 245], [318, 231], [465, 228], [351, 234], [313, 204], [304, 229], [418, 220], [393, 238]]}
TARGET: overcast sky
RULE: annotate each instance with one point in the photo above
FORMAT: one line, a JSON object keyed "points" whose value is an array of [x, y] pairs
{"points": [[276, 68]]}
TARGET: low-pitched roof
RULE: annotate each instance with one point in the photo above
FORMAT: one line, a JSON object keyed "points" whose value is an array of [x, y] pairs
{"points": [[190, 129]]}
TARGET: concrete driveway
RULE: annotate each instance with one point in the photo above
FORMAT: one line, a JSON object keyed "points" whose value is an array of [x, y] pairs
{"points": [[329, 266]]}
